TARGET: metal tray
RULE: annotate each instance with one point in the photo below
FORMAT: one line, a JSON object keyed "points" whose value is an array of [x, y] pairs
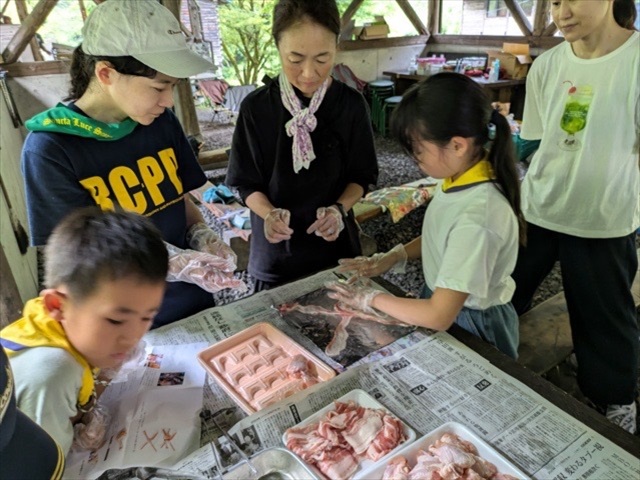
{"points": [[273, 464]]}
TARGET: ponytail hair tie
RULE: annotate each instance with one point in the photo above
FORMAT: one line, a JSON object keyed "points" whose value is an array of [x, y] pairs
{"points": [[491, 131]]}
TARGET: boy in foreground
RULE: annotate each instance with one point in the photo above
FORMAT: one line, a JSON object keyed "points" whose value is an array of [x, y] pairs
{"points": [[105, 278]]}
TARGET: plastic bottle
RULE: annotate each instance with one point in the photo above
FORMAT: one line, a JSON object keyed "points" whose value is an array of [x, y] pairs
{"points": [[413, 66], [494, 74]]}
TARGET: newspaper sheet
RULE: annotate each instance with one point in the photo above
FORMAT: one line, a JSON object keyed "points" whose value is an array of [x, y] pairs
{"points": [[425, 378], [152, 414]]}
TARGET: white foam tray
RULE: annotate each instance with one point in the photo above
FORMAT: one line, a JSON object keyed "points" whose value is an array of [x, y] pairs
{"points": [[363, 399], [410, 452]]}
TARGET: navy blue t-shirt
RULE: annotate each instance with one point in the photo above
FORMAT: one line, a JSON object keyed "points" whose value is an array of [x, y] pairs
{"points": [[148, 171]]}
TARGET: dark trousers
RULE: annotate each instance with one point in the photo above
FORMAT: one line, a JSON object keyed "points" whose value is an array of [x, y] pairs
{"points": [[596, 275]]}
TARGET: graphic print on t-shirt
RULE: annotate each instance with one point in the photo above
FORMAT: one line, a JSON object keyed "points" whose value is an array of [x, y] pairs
{"points": [[574, 116], [150, 187]]}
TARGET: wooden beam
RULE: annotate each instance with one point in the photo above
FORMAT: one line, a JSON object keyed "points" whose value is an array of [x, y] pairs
{"points": [[23, 13], [183, 97], [541, 17], [413, 17], [350, 12], [550, 30], [4, 7], [519, 16], [29, 27], [83, 10], [433, 23], [27, 69], [347, 45], [10, 301], [494, 40]]}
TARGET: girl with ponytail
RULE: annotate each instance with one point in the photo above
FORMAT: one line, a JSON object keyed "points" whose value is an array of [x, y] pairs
{"points": [[473, 225]]}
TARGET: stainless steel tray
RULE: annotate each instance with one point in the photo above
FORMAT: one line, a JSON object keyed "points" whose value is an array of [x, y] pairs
{"points": [[272, 464]]}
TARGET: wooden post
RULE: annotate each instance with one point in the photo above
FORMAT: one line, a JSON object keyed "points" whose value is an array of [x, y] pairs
{"points": [[29, 27], [23, 12], [519, 16], [541, 17], [83, 10], [434, 17], [10, 301], [185, 108], [413, 17]]}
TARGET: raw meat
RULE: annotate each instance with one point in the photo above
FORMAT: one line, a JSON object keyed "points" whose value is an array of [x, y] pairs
{"points": [[448, 458], [343, 437]]}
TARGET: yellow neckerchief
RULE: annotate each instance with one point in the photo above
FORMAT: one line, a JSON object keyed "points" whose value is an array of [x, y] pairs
{"points": [[481, 172], [37, 329]]}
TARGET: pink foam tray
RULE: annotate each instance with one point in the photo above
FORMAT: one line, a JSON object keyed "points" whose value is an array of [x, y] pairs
{"points": [[251, 366]]}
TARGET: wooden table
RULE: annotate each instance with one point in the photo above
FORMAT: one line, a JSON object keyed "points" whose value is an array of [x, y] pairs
{"points": [[509, 90], [546, 389]]}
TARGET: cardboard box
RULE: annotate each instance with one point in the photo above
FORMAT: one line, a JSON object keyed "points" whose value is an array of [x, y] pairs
{"points": [[514, 59], [379, 28]]}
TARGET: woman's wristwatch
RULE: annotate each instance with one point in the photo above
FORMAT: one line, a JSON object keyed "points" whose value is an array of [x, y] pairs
{"points": [[341, 209]]}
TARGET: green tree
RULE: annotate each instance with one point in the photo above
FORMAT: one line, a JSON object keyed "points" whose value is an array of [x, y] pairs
{"points": [[247, 46]]}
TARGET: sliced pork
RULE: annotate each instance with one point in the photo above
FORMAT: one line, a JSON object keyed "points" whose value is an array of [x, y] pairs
{"points": [[343, 437], [448, 458]]}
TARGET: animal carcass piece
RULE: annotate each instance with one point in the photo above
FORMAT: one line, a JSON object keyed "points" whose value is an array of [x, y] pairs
{"points": [[343, 437], [345, 334], [449, 458], [302, 368]]}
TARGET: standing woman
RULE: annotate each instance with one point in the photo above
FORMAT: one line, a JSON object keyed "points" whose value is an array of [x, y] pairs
{"points": [[581, 195], [302, 153], [118, 144]]}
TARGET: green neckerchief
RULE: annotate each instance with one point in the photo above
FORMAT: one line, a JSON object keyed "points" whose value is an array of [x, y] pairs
{"points": [[62, 119]]}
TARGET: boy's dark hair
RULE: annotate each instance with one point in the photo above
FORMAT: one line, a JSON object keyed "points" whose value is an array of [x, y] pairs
{"points": [[83, 66], [625, 13], [289, 12], [89, 246], [450, 105]]}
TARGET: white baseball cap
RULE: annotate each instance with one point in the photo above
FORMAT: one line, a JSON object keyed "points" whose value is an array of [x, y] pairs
{"points": [[144, 30]]}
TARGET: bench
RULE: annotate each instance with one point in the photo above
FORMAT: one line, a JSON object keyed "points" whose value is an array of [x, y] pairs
{"points": [[545, 332]]}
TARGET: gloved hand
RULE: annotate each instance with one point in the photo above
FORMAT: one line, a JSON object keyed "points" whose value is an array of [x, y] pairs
{"points": [[276, 225], [89, 434], [356, 295], [329, 223], [209, 272], [395, 260], [131, 362], [201, 238]]}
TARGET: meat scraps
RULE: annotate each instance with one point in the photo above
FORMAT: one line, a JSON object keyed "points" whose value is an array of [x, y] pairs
{"points": [[337, 443], [449, 458]]}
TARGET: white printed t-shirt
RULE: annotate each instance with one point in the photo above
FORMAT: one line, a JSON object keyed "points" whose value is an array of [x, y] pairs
{"points": [[593, 191]]}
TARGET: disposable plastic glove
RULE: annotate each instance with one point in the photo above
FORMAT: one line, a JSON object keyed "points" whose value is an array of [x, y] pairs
{"points": [[89, 434], [329, 223], [209, 272], [356, 295], [201, 238], [395, 260], [276, 225]]}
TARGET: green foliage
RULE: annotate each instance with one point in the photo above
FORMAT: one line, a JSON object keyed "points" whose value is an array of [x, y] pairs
{"points": [[64, 23], [248, 49]]}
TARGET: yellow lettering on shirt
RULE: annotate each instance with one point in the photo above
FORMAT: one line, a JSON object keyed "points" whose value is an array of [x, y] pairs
{"points": [[170, 163], [122, 179], [99, 192], [152, 175]]}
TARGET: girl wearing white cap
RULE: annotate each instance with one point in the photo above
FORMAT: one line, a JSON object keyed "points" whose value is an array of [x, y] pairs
{"points": [[302, 153], [118, 144]]}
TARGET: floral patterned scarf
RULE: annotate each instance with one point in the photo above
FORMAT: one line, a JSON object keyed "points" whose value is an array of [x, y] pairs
{"points": [[303, 122]]}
